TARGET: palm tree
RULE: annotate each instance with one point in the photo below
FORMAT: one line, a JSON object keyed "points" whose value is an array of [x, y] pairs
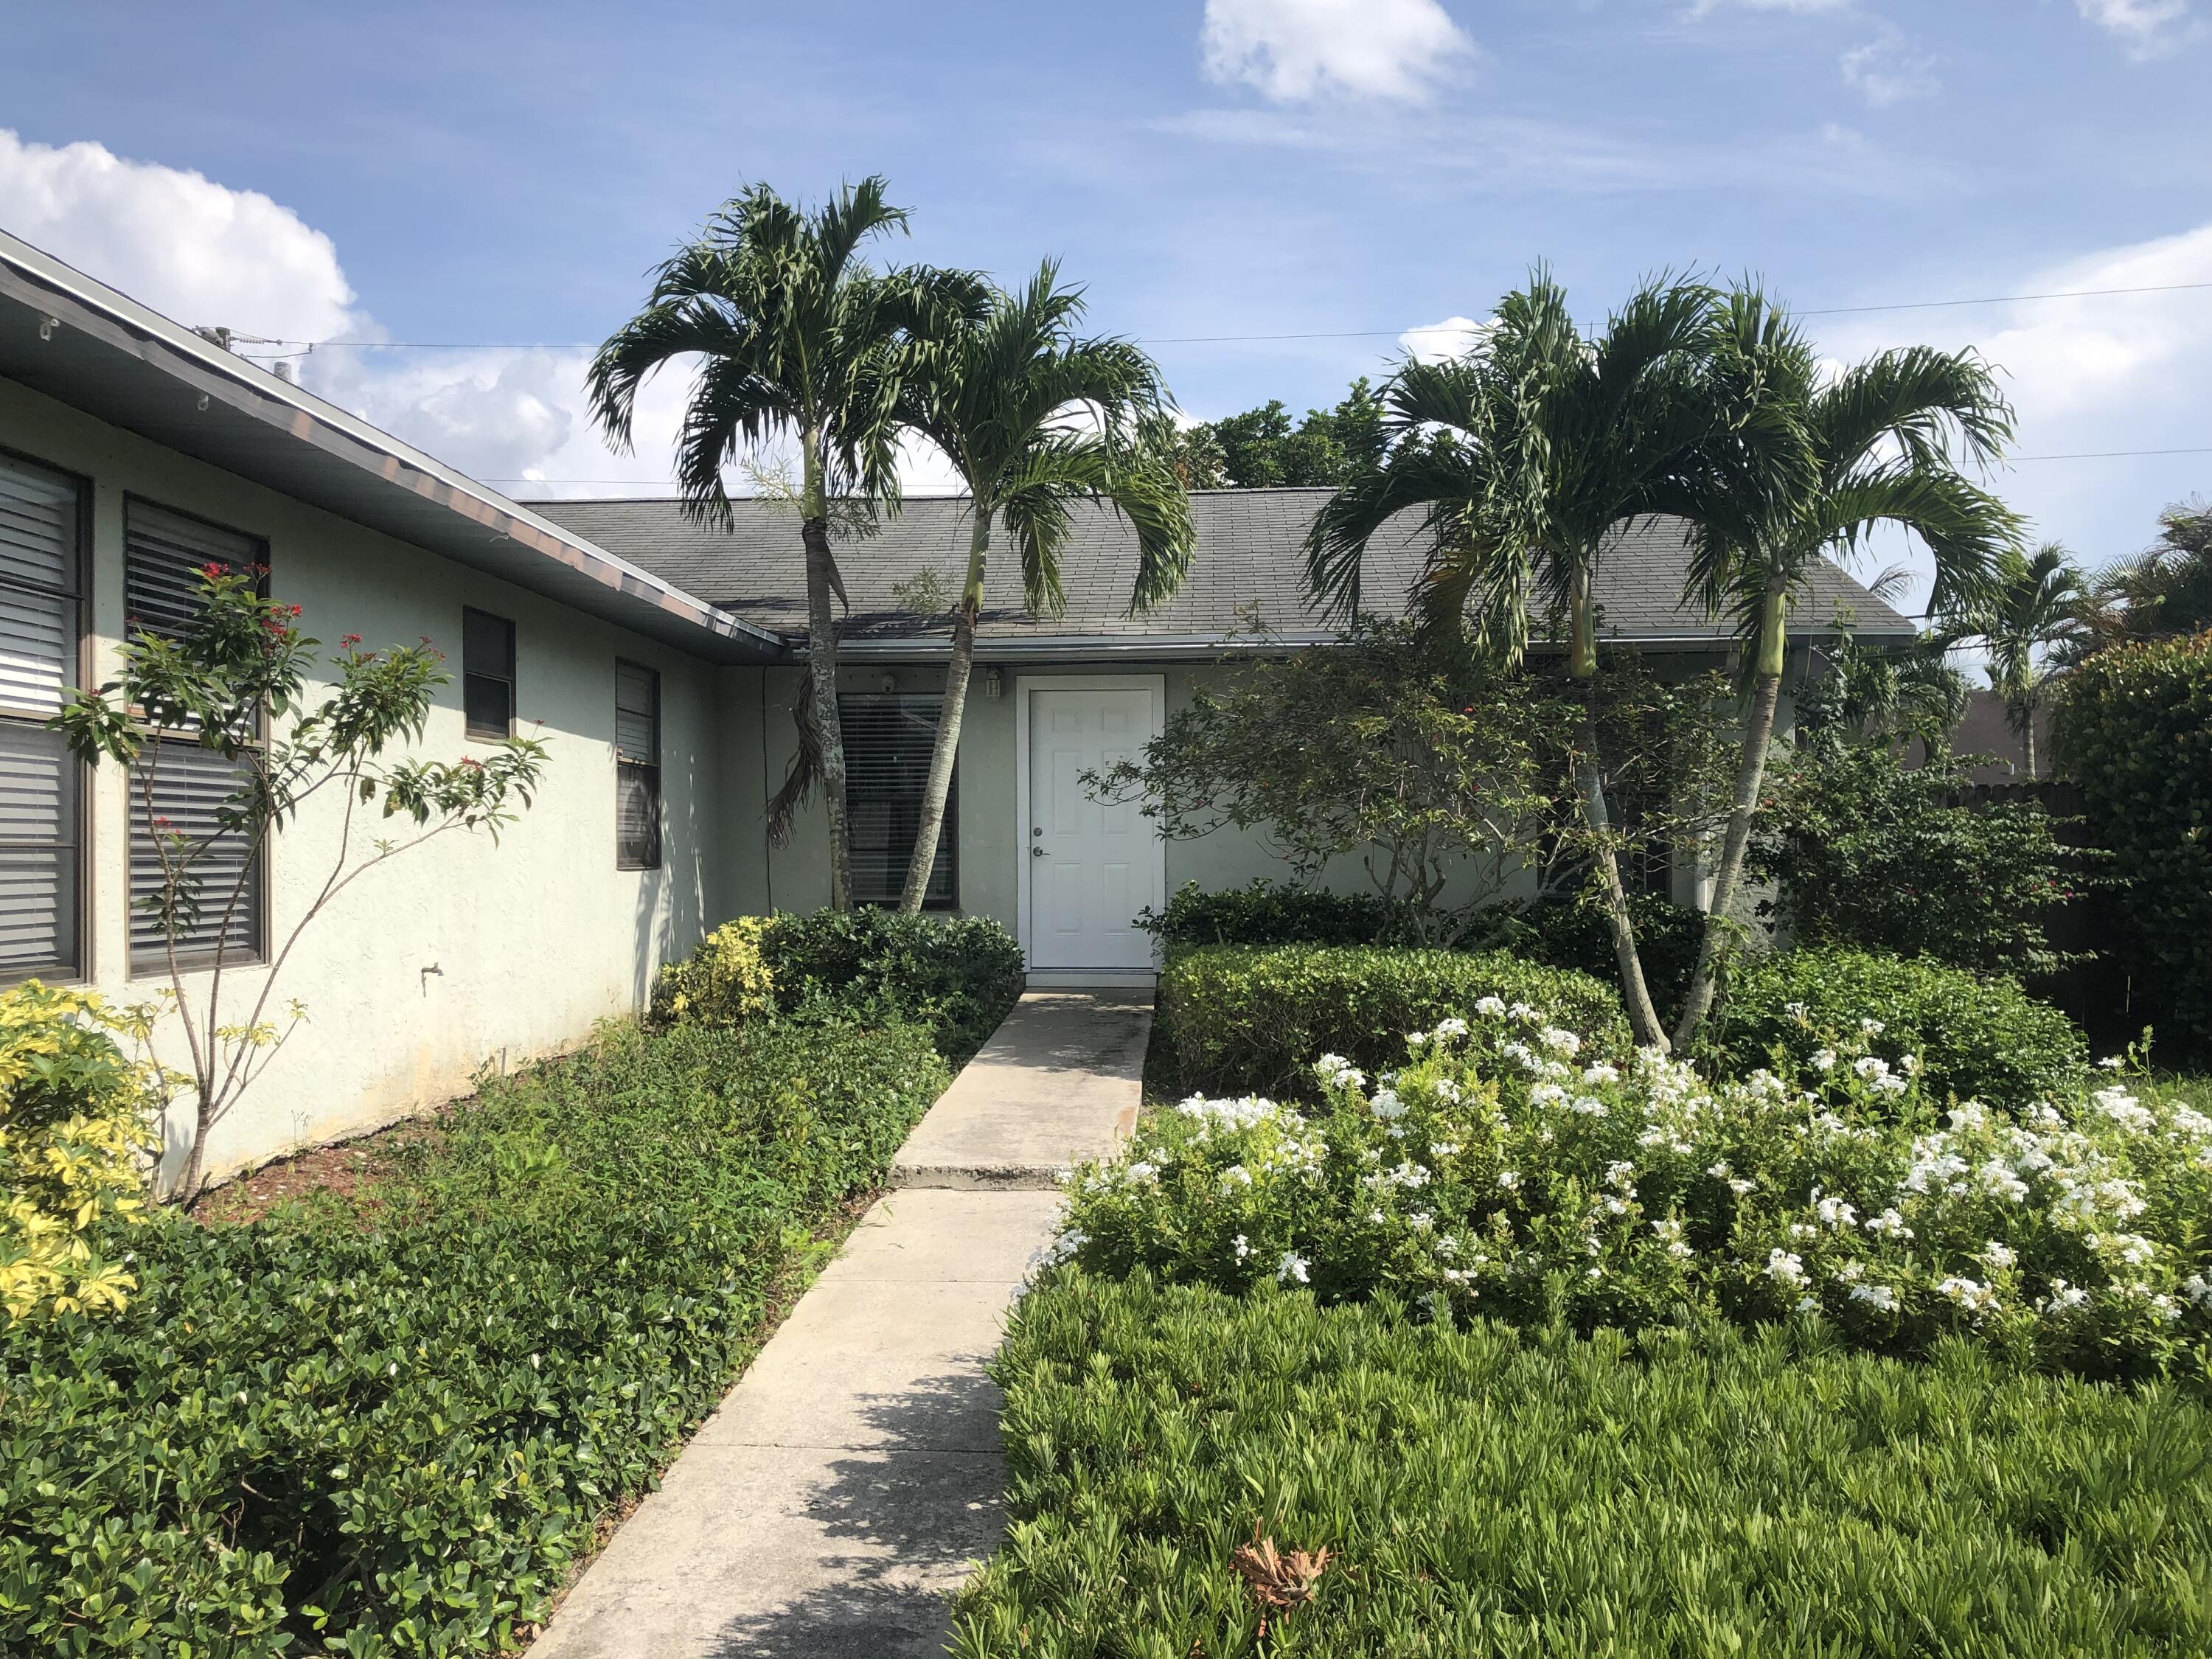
{"points": [[2036, 611], [800, 341], [1548, 442], [2165, 590], [1035, 420], [1880, 436]]}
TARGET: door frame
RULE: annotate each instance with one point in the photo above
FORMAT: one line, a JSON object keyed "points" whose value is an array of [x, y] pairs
{"points": [[1023, 686]]}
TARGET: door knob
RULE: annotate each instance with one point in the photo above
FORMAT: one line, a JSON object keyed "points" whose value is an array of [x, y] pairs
{"points": [[1036, 852]]}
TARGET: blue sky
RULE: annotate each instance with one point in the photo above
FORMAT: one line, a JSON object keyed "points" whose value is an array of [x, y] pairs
{"points": [[507, 173]]}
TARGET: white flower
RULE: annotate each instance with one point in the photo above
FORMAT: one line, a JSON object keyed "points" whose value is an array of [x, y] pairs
{"points": [[1890, 1224], [1386, 1105], [1445, 1149], [1622, 1174], [1588, 1106], [1786, 1267], [1143, 1172], [1509, 1180], [1293, 1269], [1997, 1255], [2112, 1062], [1234, 1176], [1999, 1181], [1870, 1067], [1601, 1072], [1808, 1304], [1834, 1212], [1546, 1094], [1825, 1060], [2063, 1295], [1872, 1028], [1451, 1027], [1415, 1039], [1241, 1245], [1970, 1294], [1880, 1298], [1447, 1090], [1803, 1230], [2197, 1289], [1521, 1011], [1794, 1010], [1490, 1007], [2124, 1109]]}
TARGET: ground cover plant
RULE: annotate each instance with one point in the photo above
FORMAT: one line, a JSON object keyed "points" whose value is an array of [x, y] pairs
{"points": [[394, 1425], [1236, 1018], [1504, 1171], [1490, 1489], [1976, 1036]]}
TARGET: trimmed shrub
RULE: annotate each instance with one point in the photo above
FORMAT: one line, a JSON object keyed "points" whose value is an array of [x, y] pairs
{"points": [[1977, 1037], [1492, 1492], [1277, 913], [724, 983], [1239, 1019], [394, 1431], [1577, 935], [2133, 729], [959, 976], [73, 1141]]}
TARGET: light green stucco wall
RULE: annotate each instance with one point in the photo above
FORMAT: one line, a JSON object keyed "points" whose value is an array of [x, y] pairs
{"points": [[533, 939]]}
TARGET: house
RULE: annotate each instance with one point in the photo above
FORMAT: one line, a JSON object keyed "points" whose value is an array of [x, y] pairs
{"points": [[657, 660]]}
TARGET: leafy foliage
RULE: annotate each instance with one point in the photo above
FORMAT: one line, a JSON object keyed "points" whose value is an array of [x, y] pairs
{"points": [[1396, 749], [242, 660], [394, 1432], [1866, 852], [1977, 1036], [1276, 913], [1236, 1018], [956, 976], [2163, 593], [1501, 1170], [73, 1134], [1262, 448], [1574, 934], [725, 982], [2133, 732], [1488, 1490]]}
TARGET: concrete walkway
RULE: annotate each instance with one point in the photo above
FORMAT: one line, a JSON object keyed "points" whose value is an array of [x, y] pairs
{"points": [[846, 1485]]}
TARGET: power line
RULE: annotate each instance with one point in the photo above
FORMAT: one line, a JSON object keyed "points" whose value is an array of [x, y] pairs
{"points": [[1327, 334]]}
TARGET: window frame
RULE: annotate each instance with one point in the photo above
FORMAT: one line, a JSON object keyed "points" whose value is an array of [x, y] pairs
{"points": [[510, 679], [948, 843], [622, 860], [85, 971], [157, 964]]}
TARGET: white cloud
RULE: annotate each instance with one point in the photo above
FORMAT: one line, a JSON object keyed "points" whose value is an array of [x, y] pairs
{"points": [[2087, 377], [1299, 49], [1434, 341], [2148, 28], [1887, 71], [193, 249]]}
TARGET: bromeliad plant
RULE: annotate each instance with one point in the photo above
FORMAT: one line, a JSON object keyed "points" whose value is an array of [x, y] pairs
{"points": [[242, 663], [1504, 1172]]}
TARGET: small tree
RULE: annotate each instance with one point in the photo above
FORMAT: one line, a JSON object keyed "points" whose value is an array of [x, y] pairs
{"points": [[1399, 749], [242, 661]]}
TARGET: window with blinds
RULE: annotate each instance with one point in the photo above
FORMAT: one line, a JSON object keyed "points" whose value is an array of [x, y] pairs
{"points": [[178, 789], [41, 783], [637, 767], [888, 741], [487, 674]]}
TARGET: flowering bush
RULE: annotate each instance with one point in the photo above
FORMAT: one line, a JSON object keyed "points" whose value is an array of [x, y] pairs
{"points": [[1501, 1170], [1976, 1036], [73, 1140]]}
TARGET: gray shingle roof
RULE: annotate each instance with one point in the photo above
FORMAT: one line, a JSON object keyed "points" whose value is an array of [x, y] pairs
{"points": [[1247, 563]]}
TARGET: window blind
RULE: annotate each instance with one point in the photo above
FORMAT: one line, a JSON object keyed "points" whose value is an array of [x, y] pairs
{"points": [[487, 675], [637, 767], [221, 902], [41, 783], [888, 741]]}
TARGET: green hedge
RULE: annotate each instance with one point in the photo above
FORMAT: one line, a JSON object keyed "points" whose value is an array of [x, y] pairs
{"points": [[1240, 1020], [1977, 1036], [1277, 913], [2133, 729], [1494, 1492], [400, 1432], [959, 975]]}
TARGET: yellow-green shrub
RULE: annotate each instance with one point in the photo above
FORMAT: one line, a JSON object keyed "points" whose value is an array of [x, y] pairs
{"points": [[73, 1133], [724, 983]]}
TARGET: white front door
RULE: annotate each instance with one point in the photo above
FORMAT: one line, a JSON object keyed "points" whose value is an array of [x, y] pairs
{"points": [[1091, 865]]}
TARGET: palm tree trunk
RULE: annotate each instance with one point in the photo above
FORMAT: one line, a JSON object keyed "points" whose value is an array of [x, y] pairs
{"points": [[938, 788], [1589, 777], [822, 674], [2027, 737], [1750, 778]]}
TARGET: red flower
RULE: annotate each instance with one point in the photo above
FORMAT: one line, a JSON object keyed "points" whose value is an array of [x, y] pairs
{"points": [[215, 572], [347, 642], [292, 610]]}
